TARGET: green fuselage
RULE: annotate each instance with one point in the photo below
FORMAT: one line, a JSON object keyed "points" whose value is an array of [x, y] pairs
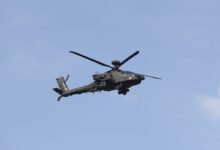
{"points": [[108, 81]]}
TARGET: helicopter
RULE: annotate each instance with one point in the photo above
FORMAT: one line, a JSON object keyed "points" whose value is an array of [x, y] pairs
{"points": [[113, 79]]}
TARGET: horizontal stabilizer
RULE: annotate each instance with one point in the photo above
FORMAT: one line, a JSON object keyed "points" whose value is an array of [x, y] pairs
{"points": [[58, 90]]}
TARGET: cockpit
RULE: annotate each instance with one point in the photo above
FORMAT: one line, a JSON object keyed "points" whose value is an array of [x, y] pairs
{"points": [[128, 73]]}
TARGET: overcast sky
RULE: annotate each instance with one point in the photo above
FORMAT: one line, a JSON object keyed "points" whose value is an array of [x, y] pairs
{"points": [[178, 40]]}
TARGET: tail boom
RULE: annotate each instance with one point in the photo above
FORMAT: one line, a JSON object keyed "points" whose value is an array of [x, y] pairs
{"points": [[63, 90]]}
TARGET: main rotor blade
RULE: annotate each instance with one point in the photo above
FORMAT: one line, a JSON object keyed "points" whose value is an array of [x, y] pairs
{"points": [[127, 59], [153, 77], [91, 59]]}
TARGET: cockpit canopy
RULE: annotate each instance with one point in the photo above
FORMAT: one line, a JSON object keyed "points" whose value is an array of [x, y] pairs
{"points": [[128, 73]]}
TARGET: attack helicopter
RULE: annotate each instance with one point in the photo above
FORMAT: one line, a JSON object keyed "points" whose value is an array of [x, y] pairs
{"points": [[113, 79]]}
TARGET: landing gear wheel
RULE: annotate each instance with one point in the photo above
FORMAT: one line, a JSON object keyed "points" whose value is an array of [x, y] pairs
{"points": [[123, 91]]}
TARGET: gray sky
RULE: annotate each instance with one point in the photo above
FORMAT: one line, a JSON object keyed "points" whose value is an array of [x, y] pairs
{"points": [[178, 41]]}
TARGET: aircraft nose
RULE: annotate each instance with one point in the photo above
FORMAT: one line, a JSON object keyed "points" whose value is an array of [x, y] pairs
{"points": [[141, 77]]}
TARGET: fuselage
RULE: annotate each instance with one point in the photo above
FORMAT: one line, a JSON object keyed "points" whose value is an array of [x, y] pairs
{"points": [[108, 81]]}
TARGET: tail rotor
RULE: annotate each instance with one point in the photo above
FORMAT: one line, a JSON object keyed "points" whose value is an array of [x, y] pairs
{"points": [[63, 88]]}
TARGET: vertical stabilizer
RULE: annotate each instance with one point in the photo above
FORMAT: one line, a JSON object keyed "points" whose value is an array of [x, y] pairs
{"points": [[62, 84]]}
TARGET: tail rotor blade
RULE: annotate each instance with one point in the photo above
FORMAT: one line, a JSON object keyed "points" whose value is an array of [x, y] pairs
{"points": [[67, 78], [59, 98]]}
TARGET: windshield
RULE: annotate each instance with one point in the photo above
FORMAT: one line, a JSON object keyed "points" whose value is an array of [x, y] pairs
{"points": [[128, 73]]}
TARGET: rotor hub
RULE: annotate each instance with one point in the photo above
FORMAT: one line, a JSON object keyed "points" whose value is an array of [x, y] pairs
{"points": [[116, 63]]}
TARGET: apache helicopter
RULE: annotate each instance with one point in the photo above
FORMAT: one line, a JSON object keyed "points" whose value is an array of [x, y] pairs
{"points": [[114, 79]]}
